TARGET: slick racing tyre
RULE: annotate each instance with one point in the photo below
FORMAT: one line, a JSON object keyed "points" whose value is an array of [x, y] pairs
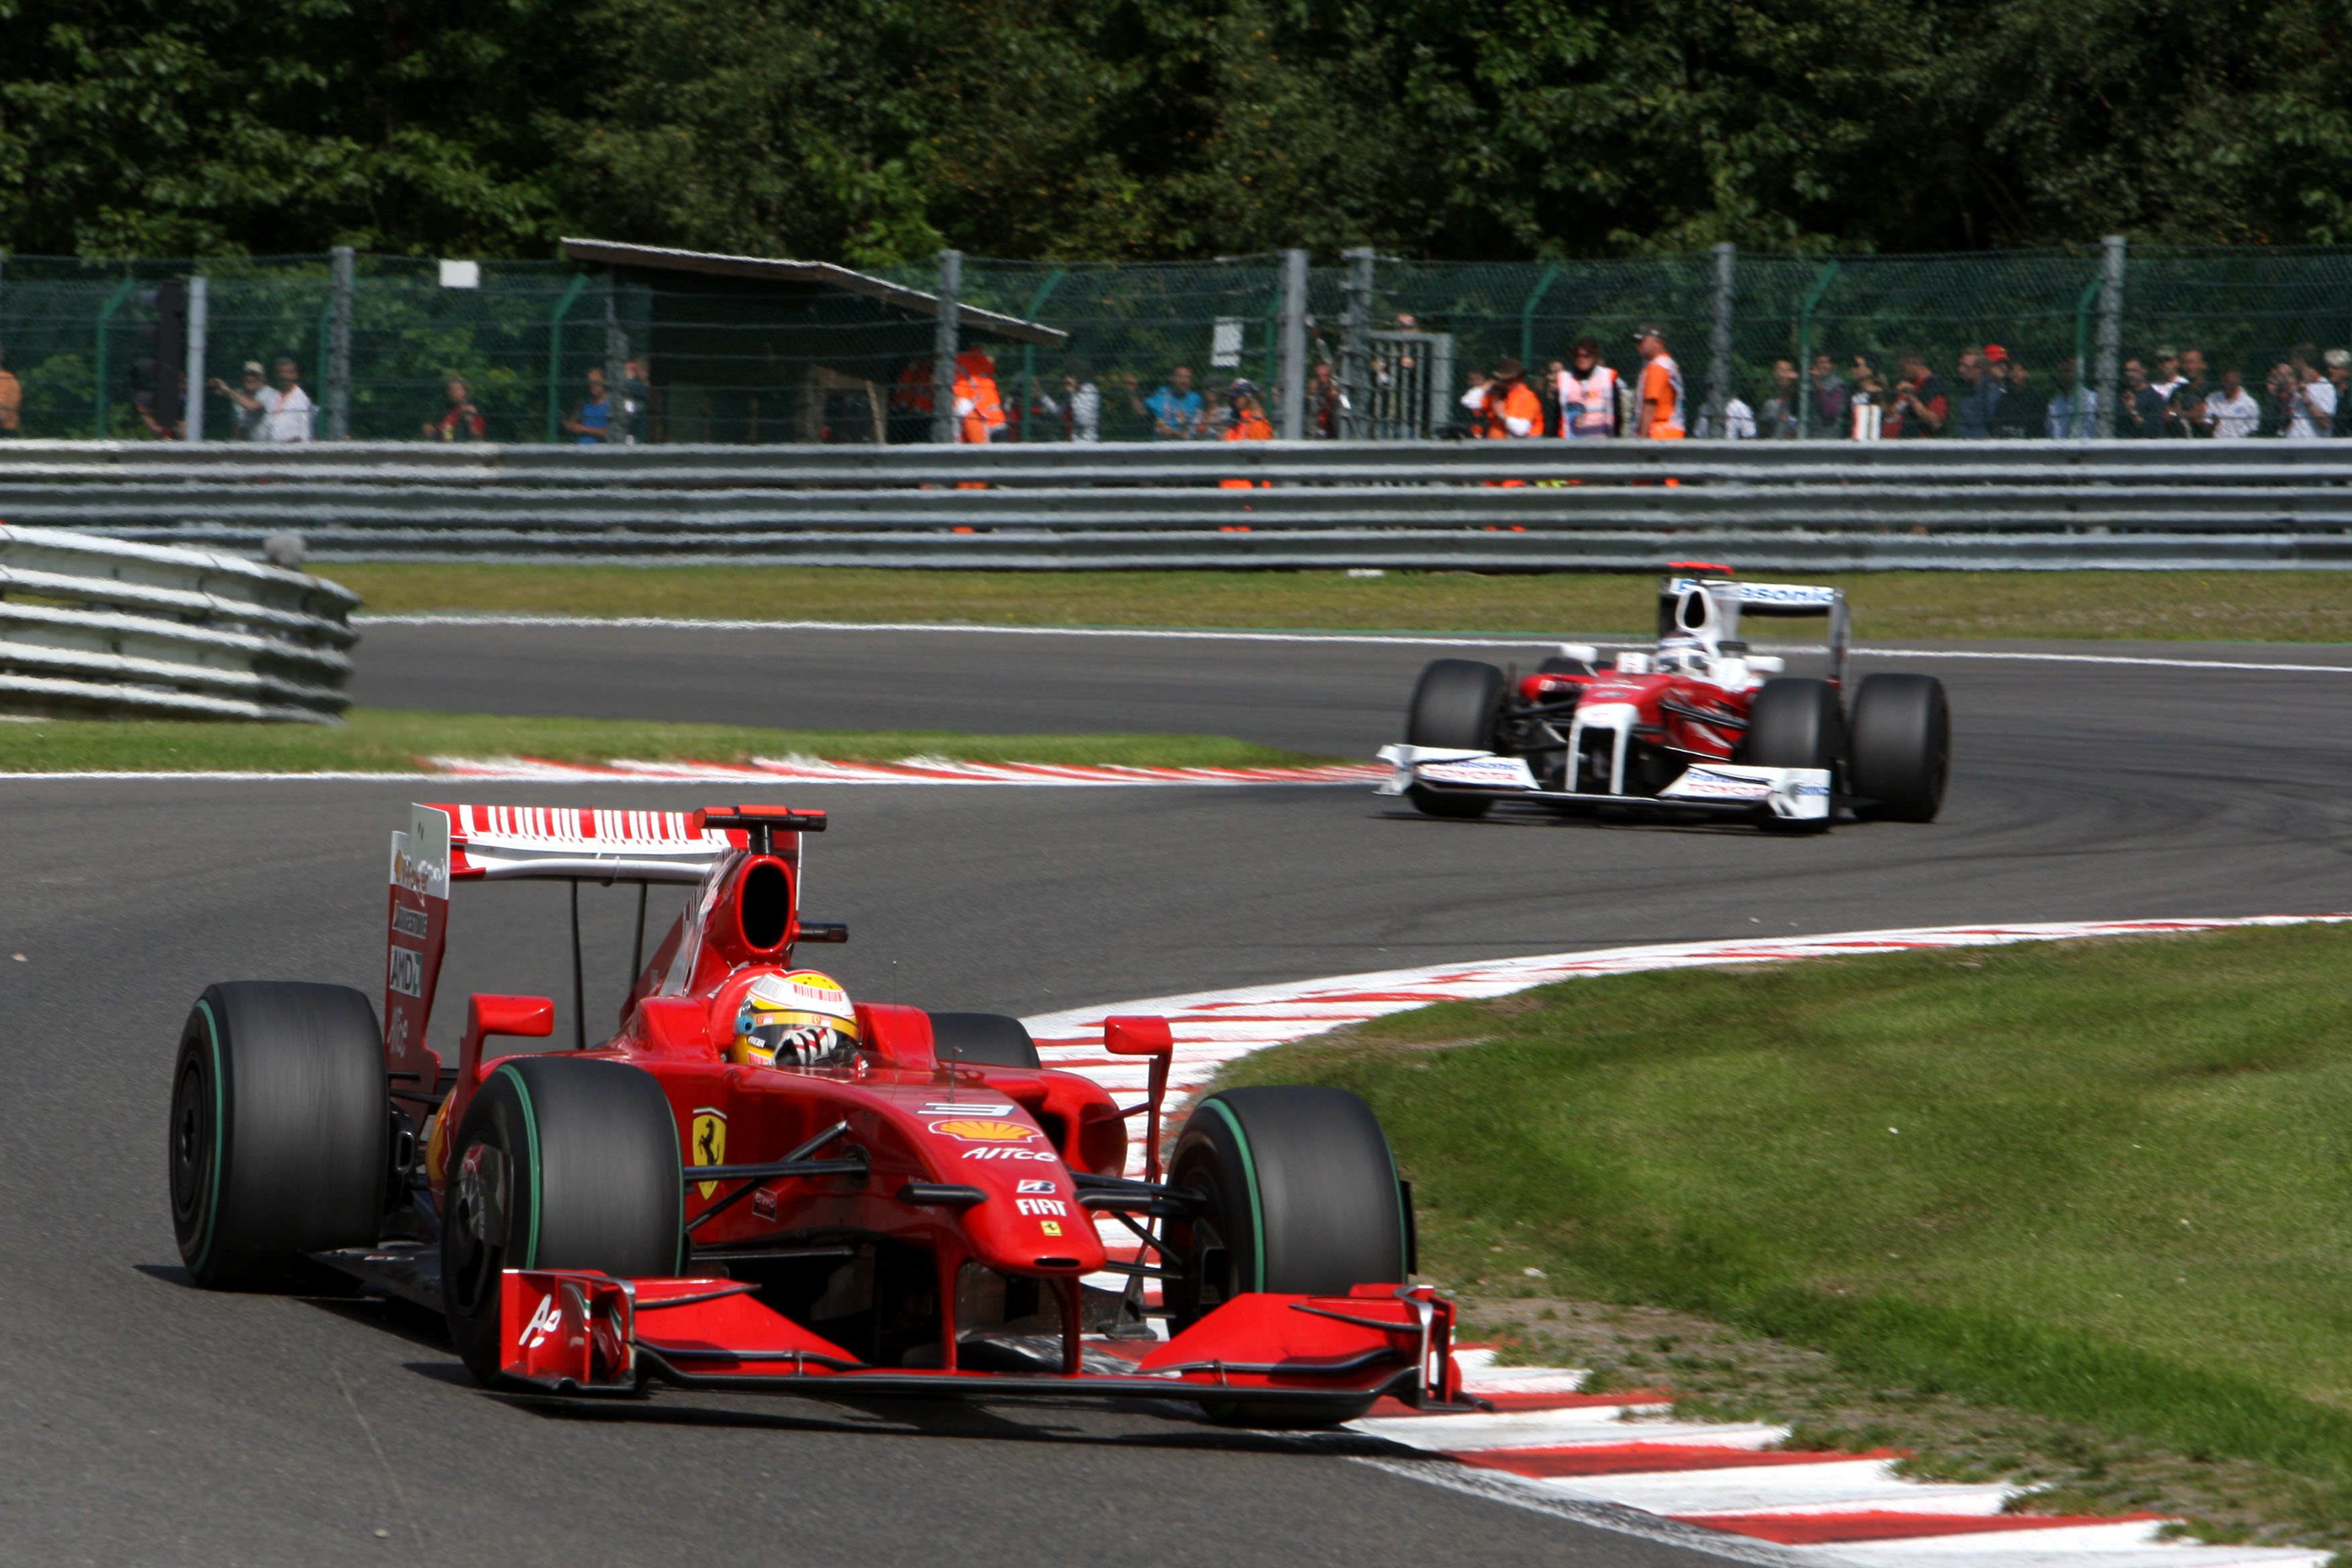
{"points": [[1901, 747], [560, 1164], [1454, 705], [282, 1133], [1297, 1193], [985, 1039], [1796, 723]]}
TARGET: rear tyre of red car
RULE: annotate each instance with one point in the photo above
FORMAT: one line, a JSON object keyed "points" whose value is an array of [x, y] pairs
{"points": [[1299, 1194], [1454, 705], [1902, 747], [985, 1039], [281, 1130], [560, 1162], [1796, 723]]}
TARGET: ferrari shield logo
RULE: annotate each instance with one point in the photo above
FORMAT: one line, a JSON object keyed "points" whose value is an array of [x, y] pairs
{"points": [[707, 1143]]}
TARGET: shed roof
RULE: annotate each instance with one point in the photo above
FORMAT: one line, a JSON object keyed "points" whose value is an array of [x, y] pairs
{"points": [[808, 274]]}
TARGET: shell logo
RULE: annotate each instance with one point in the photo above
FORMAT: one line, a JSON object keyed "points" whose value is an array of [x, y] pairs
{"points": [[982, 1129]]}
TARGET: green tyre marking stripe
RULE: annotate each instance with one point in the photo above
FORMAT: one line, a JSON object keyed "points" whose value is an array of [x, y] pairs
{"points": [[220, 1136], [1404, 1230], [530, 1135], [1249, 1173]]}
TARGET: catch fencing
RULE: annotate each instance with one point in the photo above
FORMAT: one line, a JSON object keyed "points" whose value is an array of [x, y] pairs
{"points": [[1485, 505], [377, 338], [101, 628]]}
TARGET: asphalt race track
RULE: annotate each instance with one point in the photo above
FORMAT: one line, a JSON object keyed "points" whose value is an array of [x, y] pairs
{"points": [[149, 1423]]}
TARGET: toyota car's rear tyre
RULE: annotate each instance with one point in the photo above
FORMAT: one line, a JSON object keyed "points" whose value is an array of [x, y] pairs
{"points": [[281, 1132], [1297, 1193], [988, 1039], [561, 1164], [1796, 723], [1454, 705], [1901, 747]]}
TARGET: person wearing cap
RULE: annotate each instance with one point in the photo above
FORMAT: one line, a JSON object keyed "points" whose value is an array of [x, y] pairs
{"points": [[1661, 394], [1245, 420], [251, 404], [2168, 378], [1504, 406], [2339, 377]]}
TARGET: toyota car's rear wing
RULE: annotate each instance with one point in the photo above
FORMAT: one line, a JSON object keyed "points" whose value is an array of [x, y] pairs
{"points": [[449, 844], [1712, 607]]}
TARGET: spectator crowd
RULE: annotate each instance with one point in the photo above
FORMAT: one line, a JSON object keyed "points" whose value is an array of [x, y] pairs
{"points": [[1993, 394]]}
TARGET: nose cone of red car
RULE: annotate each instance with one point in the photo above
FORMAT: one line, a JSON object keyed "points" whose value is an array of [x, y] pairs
{"points": [[1028, 1221]]}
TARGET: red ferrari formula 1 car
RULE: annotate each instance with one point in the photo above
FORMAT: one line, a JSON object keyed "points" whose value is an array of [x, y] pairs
{"points": [[756, 1183], [1699, 724]]}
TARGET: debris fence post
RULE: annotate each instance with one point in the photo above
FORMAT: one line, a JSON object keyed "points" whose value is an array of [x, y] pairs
{"points": [[617, 366], [1294, 345], [1356, 345], [2108, 377], [341, 271], [945, 346], [192, 399], [1718, 340]]}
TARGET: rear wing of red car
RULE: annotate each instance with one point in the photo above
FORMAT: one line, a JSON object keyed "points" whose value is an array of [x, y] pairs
{"points": [[1712, 607], [444, 845]]}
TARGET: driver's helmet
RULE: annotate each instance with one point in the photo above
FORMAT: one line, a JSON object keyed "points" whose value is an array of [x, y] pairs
{"points": [[1681, 653], [797, 1018]]}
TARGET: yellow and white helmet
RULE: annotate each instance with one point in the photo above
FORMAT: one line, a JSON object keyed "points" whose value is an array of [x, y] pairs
{"points": [[800, 1018]]}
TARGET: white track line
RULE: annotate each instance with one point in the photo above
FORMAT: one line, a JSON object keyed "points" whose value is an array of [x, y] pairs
{"points": [[1387, 639], [1838, 1495]]}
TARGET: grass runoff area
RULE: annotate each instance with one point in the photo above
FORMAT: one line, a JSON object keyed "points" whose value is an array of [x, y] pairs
{"points": [[381, 740], [2079, 1213], [2243, 607]]}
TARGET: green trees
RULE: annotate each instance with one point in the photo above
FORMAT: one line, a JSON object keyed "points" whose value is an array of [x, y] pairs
{"points": [[874, 131]]}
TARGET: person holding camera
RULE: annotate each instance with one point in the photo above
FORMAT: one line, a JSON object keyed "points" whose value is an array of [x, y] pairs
{"points": [[1920, 405]]}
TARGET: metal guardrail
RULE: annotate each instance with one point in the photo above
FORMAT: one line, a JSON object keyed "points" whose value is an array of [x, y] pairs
{"points": [[1510, 506], [100, 626]]}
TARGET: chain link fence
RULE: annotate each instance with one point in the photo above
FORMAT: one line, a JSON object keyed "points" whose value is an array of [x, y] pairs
{"points": [[1386, 346]]}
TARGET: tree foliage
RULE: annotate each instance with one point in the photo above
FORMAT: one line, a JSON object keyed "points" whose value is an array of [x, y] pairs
{"points": [[874, 131]]}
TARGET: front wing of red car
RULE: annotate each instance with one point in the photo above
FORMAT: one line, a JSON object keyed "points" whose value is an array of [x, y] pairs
{"points": [[573, 1332]]}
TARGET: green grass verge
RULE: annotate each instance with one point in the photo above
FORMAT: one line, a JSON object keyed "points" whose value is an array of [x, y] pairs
{"points": [[2105, 1182], [2261, 607], [383, 739]]}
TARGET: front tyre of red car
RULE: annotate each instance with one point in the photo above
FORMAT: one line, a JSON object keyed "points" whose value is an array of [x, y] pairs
{"points": [[1796, 723], [1902, 747], [560, 1162], [1299, 1193], [281, 1133]]}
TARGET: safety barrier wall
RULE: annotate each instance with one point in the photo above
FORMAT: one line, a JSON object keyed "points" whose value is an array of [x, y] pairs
{"points": [[1477, 505], [102, 626]]}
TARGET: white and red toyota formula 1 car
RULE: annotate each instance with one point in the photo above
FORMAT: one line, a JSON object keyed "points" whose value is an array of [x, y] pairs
{"points": [[754, 1183], [1699, 724]]}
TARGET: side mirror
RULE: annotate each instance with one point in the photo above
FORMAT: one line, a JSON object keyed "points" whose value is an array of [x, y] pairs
{"points": [[530, 1017], [1144, 1035]]}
